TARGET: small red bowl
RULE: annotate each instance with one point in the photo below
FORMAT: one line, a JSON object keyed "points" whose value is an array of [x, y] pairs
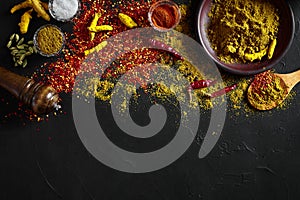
{"points": [[284, 39]]}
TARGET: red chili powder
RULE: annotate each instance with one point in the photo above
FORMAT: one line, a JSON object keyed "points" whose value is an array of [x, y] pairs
{"points": [[262, 81], [165, 16]]}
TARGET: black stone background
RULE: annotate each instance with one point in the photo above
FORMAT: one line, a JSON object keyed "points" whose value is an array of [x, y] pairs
{"points": [[257, 157]]}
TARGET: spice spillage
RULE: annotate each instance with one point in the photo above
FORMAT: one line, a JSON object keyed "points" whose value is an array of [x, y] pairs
{"points": [[243, 31], [62, 73]]}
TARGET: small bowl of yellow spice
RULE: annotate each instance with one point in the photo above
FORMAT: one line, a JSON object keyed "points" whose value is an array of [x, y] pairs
{"points": [[49, 40], [246, 37]]}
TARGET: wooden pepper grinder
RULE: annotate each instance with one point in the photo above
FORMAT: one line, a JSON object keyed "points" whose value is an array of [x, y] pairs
{"points": [[42, 98]]}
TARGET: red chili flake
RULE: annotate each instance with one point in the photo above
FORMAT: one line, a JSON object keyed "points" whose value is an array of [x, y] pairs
{"points": [[262, 80], [62, 73]]}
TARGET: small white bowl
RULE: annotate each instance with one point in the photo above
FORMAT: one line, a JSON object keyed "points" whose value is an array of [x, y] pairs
{"points": [[54, 14]]}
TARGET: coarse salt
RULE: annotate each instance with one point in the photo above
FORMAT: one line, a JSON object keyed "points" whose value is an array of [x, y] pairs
{"points": [[64, 9]]}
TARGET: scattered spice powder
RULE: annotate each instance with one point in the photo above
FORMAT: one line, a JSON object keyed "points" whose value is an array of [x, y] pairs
{"points": [[238, 96], [61, 74], [184, 25], [242, 31]]}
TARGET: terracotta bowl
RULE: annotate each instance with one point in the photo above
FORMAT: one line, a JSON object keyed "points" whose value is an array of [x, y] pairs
{"points": [[284, 39]]}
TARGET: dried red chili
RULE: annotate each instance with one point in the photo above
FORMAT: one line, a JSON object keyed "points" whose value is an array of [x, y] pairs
{"points": [[223, 91], [160, 45], [202, 84]]}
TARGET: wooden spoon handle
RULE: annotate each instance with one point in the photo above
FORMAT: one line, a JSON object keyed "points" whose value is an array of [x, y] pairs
{"points": [[290, 79], [295, 76], [40, 97]]}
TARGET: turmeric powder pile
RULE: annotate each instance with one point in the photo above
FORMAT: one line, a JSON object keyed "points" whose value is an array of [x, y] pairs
{"points": [[243, 31], [49, 40]]}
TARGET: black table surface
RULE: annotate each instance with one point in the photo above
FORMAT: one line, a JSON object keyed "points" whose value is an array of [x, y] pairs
{"points": [[256, 156]]}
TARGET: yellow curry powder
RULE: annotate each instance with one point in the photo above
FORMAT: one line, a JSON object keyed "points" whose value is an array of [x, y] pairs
{"points": [[242, 31], [267, 89], [237, 97], [184, 25], [105, 88], [49, 40]]}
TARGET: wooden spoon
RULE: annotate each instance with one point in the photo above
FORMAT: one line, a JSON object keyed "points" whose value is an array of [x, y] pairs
{"points": [[287, 82]]}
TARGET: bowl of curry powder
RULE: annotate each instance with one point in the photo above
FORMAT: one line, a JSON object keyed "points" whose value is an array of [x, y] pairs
{"points": [[49, 40], [246, 37]]}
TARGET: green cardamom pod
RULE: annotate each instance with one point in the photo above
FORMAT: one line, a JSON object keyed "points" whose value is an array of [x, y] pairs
{"points": [[24, 63], [17, 37], [25, 45], [20, 42], [22, 57], [35, 50], [14, 52], [28, 53], [12, 37], [19, 54], [22, 52], [9, 44], [20, 47], [30, 49]]}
